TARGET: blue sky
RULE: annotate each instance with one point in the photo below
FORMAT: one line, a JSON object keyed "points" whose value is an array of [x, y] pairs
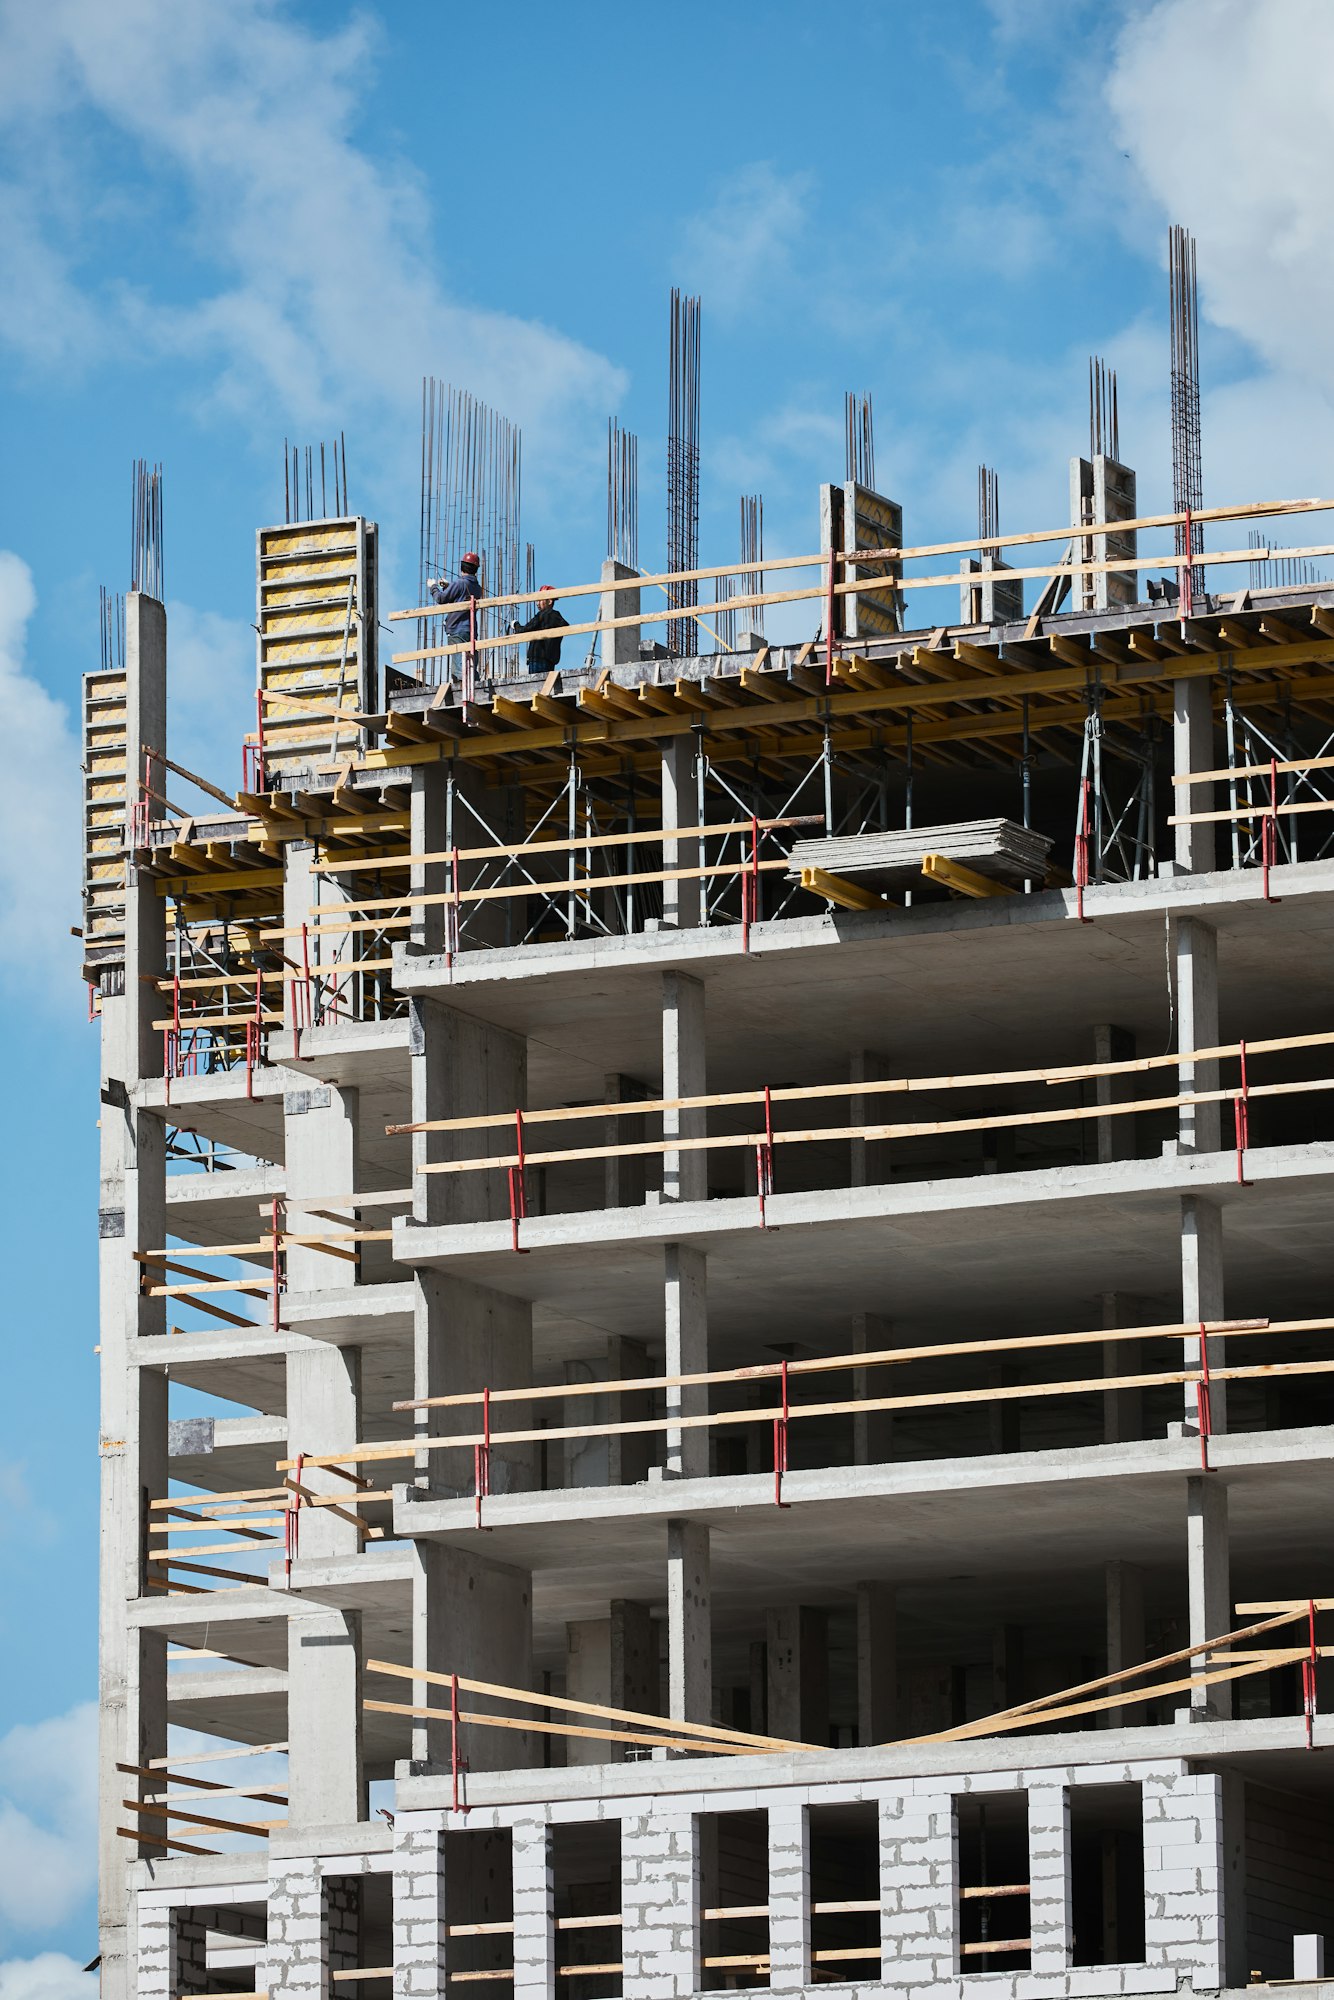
{"points": [[223, 224]]}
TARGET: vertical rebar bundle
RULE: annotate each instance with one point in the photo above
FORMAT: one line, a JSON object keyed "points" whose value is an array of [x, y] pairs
{"points": [[751, 581], [111, 612], [472, 466], [1277, 571], [304, 478], [1187, 472], [988, 507], [860, 440], [146, 529], [1104, 420], [622, 495], [683, 468]]}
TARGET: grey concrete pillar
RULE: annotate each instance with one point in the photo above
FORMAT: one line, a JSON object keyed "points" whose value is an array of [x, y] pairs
{"points": [[689, 1623], [686, 1323], [326, 1777], [1199, 1125], [428, 834], [1007, 1666], [870, 1157], [872, 1430], [467, 1338], [534, 1912], [461, 1068], [789, 1895], [1123, 1584], [619, 649], [877, 1662], [612, 1661], [471, 1617], [1209, 1580], [1050, 1925], [1115, 1136], [629, 1455], [1193, 750], [1122, 1409], [681, 900], [797, 1643], [685, 1175], [132, 1720], [1202, 1299]]}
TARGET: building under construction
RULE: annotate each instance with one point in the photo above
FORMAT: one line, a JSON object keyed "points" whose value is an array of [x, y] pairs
{"points": [[747, 1225]]}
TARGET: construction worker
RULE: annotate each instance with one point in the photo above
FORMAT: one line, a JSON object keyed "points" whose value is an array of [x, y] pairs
{"points": [[543, 654], [458, 625]]}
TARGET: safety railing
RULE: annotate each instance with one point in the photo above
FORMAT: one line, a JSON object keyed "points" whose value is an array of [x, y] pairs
{"points": [[1205, 1367]]}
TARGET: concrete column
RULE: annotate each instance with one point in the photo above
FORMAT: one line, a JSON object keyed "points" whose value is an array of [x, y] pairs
{"points": [[325, 1769], [1007, 1665], [1124, 1587], [689, 1623], [660, 1901], [681, 900], [877, 1662], [298, 1932], [132, 1668], [429, 834], [685, 1175], [612, 1661], [1199, 1126], [919, 1873], [1122, 1409], [472, 1617], [872, 1430], [466, 1338], [870, 1157], [797, 1640], [624, 1179], [619, 649], [1193, 750], [1050, 1925], [1209, 1578], [686, 1320], [789, 1894], [461, 1068], [534, 1912], [1202, 1299], [419, 1921], [1115, 1136]]}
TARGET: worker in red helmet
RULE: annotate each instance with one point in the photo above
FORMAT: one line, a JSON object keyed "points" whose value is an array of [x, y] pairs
{"points": [[543, 654], [468, 583]]}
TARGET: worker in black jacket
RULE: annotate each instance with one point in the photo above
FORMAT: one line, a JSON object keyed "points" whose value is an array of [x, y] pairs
{"points": [[543, 654], [458, 624]]}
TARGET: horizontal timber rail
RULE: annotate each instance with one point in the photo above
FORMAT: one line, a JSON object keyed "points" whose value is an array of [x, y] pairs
{"points": [[1206, 1342], [890, 562]]}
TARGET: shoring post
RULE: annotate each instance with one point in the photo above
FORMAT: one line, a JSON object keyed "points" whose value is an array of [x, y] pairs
{"points": [[764, 1162], [292, 1524], [1082, 851], [780, 1444], [1269, 832], [518, 1193], [1309, 1677], [1202, 1404], [481, 1458], [277, 1265], [468, 687], [1241, 1119], [452, 910], [456, 1763], [750, 885]]}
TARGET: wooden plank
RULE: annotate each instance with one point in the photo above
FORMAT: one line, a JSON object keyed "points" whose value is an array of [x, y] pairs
{"points": [[478, 1719], [154, 1839], [263, 1826]]}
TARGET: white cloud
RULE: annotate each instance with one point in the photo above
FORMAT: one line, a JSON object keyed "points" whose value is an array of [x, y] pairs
{"points": [[741, 248], [1245, 158], [39, 808], [319, 300], [48, 1823], [211, 668], [49, 1976]]}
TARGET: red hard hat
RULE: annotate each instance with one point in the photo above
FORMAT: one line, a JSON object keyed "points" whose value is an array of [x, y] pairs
{"points": [[546, 590], [471, 557]]}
